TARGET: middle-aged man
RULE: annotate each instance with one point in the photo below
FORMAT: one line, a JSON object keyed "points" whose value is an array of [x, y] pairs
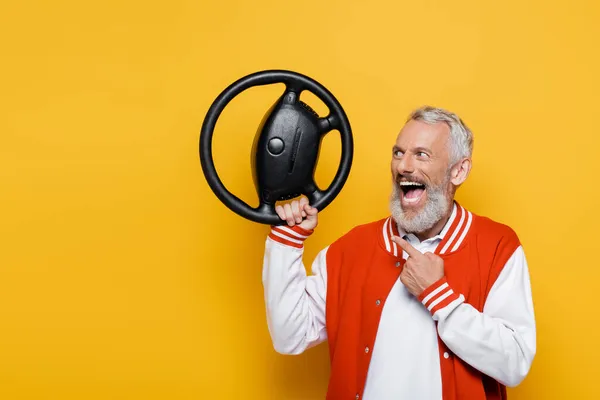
{"points": [[431, 302]]}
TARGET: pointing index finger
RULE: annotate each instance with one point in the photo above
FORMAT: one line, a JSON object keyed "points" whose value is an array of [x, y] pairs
{"points": [[412, 252]]}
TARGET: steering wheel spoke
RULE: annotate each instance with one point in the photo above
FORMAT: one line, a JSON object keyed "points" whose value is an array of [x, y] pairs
{"points": [[313, 193], [291, 96], [328, 123], [334, 121], [267, 209], [294, 85], [316, 196]]}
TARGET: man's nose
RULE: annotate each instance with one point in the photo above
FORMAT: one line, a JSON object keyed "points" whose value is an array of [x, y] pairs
{"points": [[405, 165]]}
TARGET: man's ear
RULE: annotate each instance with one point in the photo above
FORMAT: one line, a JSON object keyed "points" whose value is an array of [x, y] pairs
{"points": [[460, 171]]}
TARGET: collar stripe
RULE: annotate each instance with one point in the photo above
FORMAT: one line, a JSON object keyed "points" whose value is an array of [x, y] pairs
{"points": [[394, 245], [385, 234], [464, 233], [454, 230]]}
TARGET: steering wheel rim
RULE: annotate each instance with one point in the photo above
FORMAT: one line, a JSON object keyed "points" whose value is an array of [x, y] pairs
{"points": [[295, 82]]}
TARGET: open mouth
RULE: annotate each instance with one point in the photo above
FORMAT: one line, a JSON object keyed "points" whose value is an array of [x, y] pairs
{"points": [[413, 191]]}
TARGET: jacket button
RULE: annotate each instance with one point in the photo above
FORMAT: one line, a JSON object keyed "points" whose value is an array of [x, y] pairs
{"points": [[367, 349], [397, 264], [357, 396], [446, 355], [377, 302]]}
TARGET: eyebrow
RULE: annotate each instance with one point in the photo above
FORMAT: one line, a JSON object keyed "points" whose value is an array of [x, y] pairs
{"points": [[424, 149], [417, 149]]}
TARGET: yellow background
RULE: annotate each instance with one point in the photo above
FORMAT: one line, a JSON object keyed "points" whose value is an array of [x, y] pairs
{"points": [[121, 274]]}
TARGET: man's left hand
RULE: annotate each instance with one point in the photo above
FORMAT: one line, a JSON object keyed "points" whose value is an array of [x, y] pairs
{"points": [[420, 270]]}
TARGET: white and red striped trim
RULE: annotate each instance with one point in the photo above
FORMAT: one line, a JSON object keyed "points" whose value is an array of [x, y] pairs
{"points": [[457, 232], [438, 295], [389, 230], [290, 235]]}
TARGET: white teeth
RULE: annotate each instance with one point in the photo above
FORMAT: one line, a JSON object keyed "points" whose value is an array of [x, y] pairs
{"points": [[410, 184]]}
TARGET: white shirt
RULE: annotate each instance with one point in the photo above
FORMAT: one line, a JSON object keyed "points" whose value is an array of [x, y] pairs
{"points": [[405, 356]]}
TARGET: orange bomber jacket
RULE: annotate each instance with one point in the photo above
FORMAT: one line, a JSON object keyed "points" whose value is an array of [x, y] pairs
{"points": [[362, 267]]}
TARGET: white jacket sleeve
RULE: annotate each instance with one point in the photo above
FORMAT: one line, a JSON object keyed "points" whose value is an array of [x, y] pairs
{"points": [[501, 341], [295, 302]]}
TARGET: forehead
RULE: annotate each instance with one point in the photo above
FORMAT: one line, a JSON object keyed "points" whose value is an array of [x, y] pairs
{"points": [[421, 134]]}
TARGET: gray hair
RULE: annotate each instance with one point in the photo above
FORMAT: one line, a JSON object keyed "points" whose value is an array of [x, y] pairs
{"points": [[461, 137]]}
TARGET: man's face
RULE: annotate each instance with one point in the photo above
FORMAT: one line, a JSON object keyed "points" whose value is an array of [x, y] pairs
{"points": [[420, 170]]}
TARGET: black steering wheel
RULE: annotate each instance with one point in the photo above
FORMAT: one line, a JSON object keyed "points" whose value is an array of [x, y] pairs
{"points": [[286, 146]]}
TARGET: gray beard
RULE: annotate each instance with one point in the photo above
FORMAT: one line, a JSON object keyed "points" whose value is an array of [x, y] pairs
{"points": [[436, 207]]}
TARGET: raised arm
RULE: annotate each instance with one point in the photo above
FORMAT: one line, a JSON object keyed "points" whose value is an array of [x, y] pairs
{"points": [[295, 301]]}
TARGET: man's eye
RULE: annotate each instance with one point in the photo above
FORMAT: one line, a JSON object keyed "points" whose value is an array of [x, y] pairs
{"points": [[398, 153], [422, 154]]}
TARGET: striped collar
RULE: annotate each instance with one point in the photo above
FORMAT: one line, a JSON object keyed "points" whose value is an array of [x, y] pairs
{"points": [[451, 236]]}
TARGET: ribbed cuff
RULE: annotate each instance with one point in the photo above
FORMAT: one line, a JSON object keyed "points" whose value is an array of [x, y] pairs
{"points": [[438, 296], [290, 235]]}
